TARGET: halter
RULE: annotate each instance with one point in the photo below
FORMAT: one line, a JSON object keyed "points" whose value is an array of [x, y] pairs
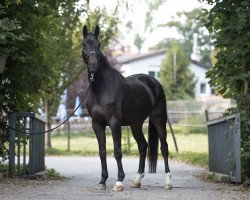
{"points": [[90, 54], [91, 80]]}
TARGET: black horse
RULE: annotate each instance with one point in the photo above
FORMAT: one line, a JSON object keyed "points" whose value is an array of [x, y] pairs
{"points": [[117, 101]]}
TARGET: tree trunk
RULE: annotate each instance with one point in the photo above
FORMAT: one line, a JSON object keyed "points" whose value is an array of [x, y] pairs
{"points": [[48, 124], [245, 87]]}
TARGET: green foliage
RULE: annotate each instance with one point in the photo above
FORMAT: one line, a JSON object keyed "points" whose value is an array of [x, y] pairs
{"points": [[182, 87], [208, 177], [107, 23], [177, 81], [149, 24], [153, 5], [138, 41], [42, 40], [7, 27], [164, 44], [192, 24], [229, 21], [25, 22], [54, 175]]}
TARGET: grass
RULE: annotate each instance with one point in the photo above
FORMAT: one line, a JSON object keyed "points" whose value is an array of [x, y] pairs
{"points": [[192, 144], [193, 158], [52, 173]]}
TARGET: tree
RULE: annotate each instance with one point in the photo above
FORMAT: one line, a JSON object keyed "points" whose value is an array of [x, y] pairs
{"points": [[69, 37], [24, 33], [193, 25], [22, 43], [66, 59], [177, 80], [138, 41], [229, 21], [149, 25], [42, 40]]}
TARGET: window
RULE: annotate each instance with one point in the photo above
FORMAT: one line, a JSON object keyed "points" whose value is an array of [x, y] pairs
{"points": [[203, 88], [158, 75], [151, 73]]}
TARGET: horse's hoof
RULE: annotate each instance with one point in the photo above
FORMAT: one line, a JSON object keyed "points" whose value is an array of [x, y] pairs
{"points": [[101, 186], [137, 181], [118, 187], [136, 184], [168, 186]]}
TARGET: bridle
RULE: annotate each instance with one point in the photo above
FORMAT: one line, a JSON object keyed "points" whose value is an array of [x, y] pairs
{"points": [[86, 58]]}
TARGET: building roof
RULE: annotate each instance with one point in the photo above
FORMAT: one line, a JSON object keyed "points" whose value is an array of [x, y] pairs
{"points": [[200, 64], [129, 58]]}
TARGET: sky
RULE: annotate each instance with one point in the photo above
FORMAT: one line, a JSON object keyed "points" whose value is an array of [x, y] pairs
{"points": [[137, 15]]}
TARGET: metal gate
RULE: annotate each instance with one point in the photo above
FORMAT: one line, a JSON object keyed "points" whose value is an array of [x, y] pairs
{"points": [[32, 142], [224, 146]]}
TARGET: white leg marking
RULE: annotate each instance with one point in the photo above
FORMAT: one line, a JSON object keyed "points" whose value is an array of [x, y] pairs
{"points": [[118, 186], [137, 181], [168, 184]]}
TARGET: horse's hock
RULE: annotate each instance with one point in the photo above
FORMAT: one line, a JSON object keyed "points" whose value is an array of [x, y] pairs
{"points": [[26, 145]]}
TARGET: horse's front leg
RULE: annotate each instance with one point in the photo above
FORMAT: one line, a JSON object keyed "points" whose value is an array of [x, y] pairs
{"points": [[101, 138], [116, 134]]}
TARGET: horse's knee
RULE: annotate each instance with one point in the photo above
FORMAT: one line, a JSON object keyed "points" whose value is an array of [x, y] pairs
{"points": [[164, 147]]}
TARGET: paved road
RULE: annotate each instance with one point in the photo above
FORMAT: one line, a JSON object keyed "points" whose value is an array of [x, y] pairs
{"points": [[84, 173]]}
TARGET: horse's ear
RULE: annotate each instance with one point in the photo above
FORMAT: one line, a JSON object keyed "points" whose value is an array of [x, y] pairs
{"points": [[84, 31], [97, 31]]}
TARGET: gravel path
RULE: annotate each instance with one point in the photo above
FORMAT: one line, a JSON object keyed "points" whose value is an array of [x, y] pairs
{"points": [[83, 174]]}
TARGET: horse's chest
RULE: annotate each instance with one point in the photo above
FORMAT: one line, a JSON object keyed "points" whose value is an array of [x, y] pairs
{"points": [[101, 110]]}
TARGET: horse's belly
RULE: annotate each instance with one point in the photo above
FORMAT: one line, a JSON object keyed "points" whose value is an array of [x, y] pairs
{"points": [[135, 114]]}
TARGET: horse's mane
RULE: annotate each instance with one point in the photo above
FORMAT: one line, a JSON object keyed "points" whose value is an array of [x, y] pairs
{"points": [[115, 71]]}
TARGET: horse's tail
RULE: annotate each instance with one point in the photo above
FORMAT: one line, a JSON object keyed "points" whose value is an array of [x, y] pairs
{"points": [[152, 147]]}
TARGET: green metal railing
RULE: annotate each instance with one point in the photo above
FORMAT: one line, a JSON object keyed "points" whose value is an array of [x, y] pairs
{"points": [[26, 144]]}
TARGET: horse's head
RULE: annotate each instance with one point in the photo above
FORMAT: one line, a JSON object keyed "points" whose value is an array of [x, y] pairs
{"points": [[91, 49]]}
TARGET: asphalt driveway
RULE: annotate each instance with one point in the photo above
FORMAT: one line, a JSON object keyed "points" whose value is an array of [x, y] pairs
{"points": [[83, 174]]}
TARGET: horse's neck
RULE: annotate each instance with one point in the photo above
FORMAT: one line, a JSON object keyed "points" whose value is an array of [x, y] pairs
{"points": [[104, 76]]}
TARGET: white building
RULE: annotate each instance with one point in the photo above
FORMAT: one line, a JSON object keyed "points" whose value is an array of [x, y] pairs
{"points": [[149, 63]]}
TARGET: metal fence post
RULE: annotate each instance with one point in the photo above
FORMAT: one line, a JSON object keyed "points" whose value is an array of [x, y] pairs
{"points": [[12, 135], [31, 146], [68, 135], [224, 146]]}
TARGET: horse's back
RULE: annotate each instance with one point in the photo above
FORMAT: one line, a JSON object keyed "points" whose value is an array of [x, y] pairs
{"points": [[142, 95], [150, 83]]}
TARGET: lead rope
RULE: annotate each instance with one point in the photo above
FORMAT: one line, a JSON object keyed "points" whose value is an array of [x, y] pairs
{"points": [[60, 123]]}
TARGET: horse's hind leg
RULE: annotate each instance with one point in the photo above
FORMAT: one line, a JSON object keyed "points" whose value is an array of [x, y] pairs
{"points": [[159, 121], [142, 146], [101, 138]]}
